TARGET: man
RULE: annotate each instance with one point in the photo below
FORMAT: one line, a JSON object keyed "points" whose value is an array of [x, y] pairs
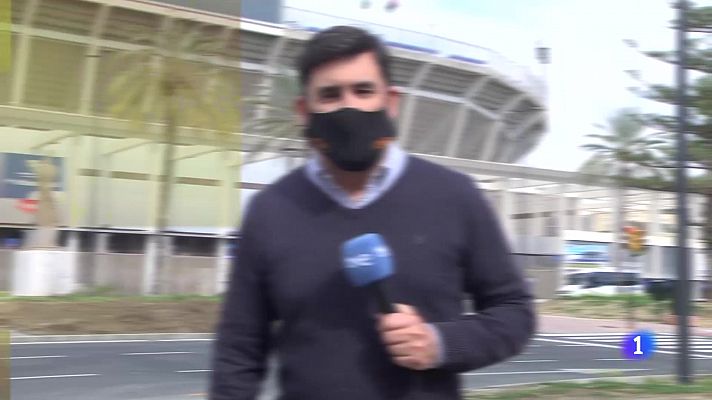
{"points": [[332, 343]]}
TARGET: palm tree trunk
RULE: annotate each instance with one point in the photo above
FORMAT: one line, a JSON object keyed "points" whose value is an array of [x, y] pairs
{"points": [[618, 255], [708, 243], [164, 197], [619, 222]]}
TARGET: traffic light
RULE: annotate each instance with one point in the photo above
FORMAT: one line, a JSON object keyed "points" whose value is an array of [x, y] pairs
{"points": [[635, 237]]}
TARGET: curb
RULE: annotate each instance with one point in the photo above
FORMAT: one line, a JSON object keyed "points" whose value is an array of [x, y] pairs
{"points": [[148, 337], [638, 379]]}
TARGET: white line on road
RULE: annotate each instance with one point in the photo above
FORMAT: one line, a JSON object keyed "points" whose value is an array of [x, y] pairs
{"points": [[659, 340], [533, 361], [558, 371], [31, 357], [19, 378], [605, 346], [513, 373], [158, 353], [85, 342], [195, 370], [114, 341], [580, 334]]}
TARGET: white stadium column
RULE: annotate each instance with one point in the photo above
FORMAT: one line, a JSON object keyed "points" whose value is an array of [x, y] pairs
{"points": [[507, 208], [22, 57]]}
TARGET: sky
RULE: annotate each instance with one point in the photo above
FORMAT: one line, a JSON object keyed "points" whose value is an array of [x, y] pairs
{"points": [[586, 78]]}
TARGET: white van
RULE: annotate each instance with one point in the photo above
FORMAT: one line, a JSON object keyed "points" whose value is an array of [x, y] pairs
{"points": [[601, 282]]}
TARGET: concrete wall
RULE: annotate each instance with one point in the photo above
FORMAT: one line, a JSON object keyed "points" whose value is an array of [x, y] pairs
{"points": [[191, 275], [122, 272], [544, 282], [6, 259]]}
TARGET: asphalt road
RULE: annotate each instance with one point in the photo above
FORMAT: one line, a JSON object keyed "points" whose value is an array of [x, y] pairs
{"points": [[178, 369]]}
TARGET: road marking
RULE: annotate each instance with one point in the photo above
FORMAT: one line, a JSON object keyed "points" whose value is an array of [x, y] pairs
{"points": [[580, 334], [31, 357], [19, 378], [607, 346], [557, 371], [114, 341], [85, 342], [657, 340], [510, 373], [158, 353], [533, 361], [595, 371], [534, 345], [195, 370]]}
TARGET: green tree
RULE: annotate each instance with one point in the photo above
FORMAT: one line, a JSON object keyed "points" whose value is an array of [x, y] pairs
{"points": [[699, 124], [617, 154], [169, 80], [172, 80], [271, 116]]}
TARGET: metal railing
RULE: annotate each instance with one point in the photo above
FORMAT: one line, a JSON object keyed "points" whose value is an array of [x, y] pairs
{"points": [[514, 74]]}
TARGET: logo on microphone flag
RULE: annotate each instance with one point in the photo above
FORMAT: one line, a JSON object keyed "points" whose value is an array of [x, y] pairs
{"points": [[367, 259]]}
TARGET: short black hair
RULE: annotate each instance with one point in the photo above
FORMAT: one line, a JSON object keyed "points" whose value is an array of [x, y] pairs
{"points": [[337, 43]]}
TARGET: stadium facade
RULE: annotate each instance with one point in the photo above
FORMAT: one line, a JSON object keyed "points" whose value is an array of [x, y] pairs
{"points": [[465, 106]]}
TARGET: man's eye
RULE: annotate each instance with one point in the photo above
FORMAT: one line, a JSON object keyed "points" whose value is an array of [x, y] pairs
{"points": [[364, 90], [330, 94]]}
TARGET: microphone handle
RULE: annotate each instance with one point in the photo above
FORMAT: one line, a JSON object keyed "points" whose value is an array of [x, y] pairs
{"points": [[385, 305]]}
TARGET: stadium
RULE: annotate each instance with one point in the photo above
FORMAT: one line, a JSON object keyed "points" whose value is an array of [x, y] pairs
{"points": [[465, 106]]}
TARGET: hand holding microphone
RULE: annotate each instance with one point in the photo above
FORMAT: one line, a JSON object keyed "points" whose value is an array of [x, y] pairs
{"points": [[408, 338]]}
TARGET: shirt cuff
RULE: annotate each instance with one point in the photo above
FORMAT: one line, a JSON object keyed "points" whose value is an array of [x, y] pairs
{"points": [[439, 344]]}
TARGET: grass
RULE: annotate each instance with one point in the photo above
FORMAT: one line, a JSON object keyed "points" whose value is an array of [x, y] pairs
{"points": [[652, 388], [637, 299], [615, 307], [106, 294]]}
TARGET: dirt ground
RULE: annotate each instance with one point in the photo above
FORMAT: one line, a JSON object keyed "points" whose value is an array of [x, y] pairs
{"points": [[137, 315], [591, 308], [115, 316]]}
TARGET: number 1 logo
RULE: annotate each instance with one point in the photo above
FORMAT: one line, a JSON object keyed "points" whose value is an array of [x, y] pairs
{"points": [[638, 345]]}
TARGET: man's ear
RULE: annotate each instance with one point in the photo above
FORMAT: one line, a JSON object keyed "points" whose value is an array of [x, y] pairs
{"points": [[300, 109], [393, 102]]}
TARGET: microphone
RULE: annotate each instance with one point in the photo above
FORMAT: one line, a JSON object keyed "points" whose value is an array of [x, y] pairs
{"points": [[367, 262]]}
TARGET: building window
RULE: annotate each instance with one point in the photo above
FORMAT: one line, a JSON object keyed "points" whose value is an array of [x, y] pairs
{"points": [[128, 243], [195, 246]]}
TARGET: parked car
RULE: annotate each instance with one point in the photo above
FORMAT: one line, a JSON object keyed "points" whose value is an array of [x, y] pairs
{"points": [[599, 282]]}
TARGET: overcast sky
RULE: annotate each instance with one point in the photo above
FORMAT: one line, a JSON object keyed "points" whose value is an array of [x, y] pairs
{"points": [[586, 78]]}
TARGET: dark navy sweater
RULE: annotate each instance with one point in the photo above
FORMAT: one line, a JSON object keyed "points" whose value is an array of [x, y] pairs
{"points": [[446, 243]]}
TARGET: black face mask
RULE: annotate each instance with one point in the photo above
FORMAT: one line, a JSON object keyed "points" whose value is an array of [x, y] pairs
{"points": [[353, 138]]}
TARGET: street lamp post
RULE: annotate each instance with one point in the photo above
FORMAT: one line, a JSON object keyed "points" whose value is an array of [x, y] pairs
{"points": [[684, 373]]}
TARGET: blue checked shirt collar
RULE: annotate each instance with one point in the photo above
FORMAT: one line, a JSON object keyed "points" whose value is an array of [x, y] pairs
{"points": [[382, 178]]}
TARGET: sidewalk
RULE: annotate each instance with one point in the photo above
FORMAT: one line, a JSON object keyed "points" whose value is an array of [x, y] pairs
{"points": [[565, 324]]}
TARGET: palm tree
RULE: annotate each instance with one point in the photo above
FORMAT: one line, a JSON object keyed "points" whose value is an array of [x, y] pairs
{"points": [[271, 116], [624, 151], [161, 82], [620, 155], [170, 80]]}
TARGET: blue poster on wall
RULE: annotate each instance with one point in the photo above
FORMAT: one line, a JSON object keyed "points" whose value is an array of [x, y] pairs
{"points": [[593, 253], [17, 179]]}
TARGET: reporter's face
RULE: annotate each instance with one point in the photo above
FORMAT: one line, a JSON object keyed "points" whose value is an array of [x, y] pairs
{"points": [[355, 82]]}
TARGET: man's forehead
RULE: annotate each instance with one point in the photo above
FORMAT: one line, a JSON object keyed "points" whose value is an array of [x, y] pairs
{"points": [[327, 82], [361, 67]]}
